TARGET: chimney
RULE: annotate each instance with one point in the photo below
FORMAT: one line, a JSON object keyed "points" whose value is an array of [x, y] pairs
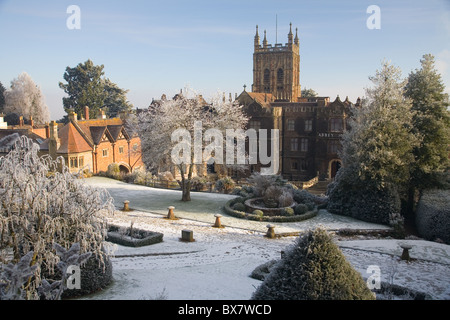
{"points": [[47, 130], [86, 113], [102, 114], [3, 124], [21, 121], [73, 116], [31, 122], [53, 143]]}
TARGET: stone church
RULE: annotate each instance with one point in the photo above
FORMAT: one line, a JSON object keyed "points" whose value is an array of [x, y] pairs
{"points": [[310, 128]]}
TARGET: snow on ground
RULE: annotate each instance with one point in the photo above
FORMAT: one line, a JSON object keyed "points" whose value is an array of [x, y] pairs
{"points": [[218, 264]]}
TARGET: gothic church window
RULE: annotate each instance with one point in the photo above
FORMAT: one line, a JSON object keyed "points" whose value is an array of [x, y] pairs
{"points": [[336, 125], [291, 125], [267, 80], [308, 125], [294, 144], [304, 145], [280, 76]]}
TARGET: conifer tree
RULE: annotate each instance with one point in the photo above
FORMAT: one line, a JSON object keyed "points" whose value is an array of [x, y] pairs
{"points": [[431, 121], [376, 152]]}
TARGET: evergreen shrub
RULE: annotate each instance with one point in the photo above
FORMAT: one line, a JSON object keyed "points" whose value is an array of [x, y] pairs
{"points": [[433, 215], [314, 268]]}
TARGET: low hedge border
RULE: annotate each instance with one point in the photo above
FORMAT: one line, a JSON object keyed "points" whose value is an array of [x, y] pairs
{"points": [[244, 215], [146, 237]]}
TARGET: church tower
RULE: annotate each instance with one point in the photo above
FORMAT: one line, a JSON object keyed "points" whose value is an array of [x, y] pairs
{"points": [[276, 69]]}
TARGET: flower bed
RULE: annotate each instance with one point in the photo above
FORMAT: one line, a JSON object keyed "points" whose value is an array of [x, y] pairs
{"points": [[228, 208], [257, 204], [137, 238]]}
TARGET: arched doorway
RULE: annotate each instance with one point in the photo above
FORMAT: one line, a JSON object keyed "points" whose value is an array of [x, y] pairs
{"points": [[334, 167], [124, 169]]}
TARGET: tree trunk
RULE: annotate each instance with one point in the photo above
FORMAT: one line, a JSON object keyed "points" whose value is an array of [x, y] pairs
{"points": [[186, 191], [185, 184]]}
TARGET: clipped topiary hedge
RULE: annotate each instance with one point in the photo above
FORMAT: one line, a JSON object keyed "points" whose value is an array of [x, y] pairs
{"points": [[139, 237], [256, 216], [94, 277], [433, 215], [362, 200], [314, 268]]}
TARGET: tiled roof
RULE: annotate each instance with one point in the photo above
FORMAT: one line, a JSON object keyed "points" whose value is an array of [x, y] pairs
{"points": [[114, 130], [71, 140], [264, 99], [97, 133], [82, 135]]}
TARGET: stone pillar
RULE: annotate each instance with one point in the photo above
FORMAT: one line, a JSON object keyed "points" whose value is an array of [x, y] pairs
{"points": [[270, 231], [170, 214], [218, 224]]}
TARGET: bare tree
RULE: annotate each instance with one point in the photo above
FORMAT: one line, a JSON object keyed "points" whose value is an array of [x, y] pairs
{"points": [[186, 132]]}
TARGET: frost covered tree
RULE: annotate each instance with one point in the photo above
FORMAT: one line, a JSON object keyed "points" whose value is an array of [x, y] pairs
{"points": [[431, 121], [203, 123], [42, 203], [2, 97], [377, 151], [25, 98]]}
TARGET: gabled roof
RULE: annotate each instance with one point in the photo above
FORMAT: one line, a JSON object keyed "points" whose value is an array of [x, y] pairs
{"points": [[82, 135], [71, 140], [97, 133], [264, 99], [115, 131], [93, 135]]}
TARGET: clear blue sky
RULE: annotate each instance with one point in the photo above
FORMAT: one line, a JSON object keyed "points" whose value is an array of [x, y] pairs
{"points": [[156, 47]]}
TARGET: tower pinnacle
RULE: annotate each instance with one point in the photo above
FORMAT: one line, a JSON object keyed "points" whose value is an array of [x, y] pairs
{"points": [[290, 35], [256, 38]]}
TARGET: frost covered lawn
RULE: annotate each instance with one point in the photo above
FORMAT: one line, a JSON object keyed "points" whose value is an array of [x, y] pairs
{"points": [[218, 264]]}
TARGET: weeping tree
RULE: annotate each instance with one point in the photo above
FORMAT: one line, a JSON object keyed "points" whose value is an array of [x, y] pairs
{"points": [[186, 133], [42, 203]]}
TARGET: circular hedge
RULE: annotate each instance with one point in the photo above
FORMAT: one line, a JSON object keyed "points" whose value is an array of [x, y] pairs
{"points": [[228, 208]]}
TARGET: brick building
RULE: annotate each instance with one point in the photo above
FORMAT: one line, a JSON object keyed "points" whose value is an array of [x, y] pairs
{"points": [[91, 144]]}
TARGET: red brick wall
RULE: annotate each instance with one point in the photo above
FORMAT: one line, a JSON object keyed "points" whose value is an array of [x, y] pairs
{"points": [[104, 161], [131, 154], [135, 153]]}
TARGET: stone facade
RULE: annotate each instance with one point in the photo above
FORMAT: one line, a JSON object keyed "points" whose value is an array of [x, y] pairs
{"points": [[310, 127], [276, 69]]}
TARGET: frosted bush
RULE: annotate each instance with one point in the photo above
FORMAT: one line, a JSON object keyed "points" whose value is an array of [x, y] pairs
{"points": [[113, 171], [166, 175], [225, 184], [43, 203], [285, 199], [260, 183]]}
